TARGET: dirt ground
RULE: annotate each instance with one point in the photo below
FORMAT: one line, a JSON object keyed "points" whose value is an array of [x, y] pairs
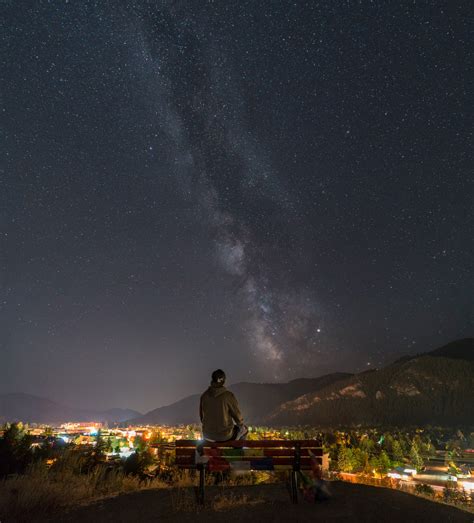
{"points": [[266, 503]]}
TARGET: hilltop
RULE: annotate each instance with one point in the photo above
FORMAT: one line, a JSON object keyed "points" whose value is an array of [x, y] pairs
{"points": [[269, 503], [459, 350]]}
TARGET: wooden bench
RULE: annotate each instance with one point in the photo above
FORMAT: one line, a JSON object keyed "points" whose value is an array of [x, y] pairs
{"points": [[205, 456]]}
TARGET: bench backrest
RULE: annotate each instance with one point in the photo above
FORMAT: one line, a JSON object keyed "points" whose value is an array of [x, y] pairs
{"points": [[248, 455]]}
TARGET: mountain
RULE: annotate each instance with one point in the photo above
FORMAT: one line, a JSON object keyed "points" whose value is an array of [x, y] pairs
{"points": [[432, 388], [255, 399], [33, 409], [118, 415], [436, 387], [459, 350]]}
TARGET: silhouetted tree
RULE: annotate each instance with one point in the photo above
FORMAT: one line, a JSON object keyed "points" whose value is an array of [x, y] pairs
{"points": [[15, 450]]}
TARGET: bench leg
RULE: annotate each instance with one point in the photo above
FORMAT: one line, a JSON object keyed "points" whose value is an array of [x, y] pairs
{"points": [[294, 487], [202, 481]]}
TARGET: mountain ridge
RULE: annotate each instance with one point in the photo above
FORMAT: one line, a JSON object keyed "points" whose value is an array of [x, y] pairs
{"points": [[432, 387], [28, 408], [253, 399]]}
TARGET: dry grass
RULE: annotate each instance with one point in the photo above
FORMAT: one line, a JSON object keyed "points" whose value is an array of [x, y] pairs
{"points": [[42, 491], [72, 479], [185, 478], [231, 501], [183, 497], [184, 500]]}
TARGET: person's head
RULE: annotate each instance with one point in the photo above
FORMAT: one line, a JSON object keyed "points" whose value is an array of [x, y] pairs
{"points": [[218, 377]]}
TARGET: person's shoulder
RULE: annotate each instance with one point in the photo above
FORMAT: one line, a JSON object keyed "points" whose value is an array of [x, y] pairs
{"points": [[229, 394]]}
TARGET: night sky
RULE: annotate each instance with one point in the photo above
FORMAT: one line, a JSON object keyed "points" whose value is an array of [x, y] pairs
{"points": [[278, 189]]}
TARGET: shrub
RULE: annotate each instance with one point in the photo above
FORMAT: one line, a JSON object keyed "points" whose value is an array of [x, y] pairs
{"points": [[451, 494], [15, 450], [424, 489]]}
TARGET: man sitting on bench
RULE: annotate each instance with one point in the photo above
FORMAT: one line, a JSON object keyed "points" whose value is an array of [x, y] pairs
{"points": [[220, 413]]}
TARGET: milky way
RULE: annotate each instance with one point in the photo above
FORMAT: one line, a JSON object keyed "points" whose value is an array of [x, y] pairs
{"points": [[277, 189]]}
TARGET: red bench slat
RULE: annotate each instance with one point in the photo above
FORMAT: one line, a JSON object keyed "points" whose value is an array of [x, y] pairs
{"points": [[289, 465], [281, 459], [290, 452], [250, 443], [284, 460], [269, 452], [186, 451]]}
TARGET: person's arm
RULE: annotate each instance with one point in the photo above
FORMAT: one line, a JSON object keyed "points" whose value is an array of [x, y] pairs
{"points": [[235, 410]]}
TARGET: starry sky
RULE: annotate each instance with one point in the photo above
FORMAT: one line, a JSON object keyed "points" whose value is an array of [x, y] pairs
{"points": [[279, 189]]}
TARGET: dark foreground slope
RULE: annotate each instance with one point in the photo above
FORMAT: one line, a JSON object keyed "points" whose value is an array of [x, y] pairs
{"points": [[256, 400], [434, 388], [267, 503]]}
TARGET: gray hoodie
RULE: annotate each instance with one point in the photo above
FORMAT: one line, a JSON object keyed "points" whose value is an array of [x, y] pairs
{"points": [[219, 411]]}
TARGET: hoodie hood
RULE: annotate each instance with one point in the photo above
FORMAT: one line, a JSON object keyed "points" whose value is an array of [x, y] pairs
{"points": [[219, 412], [215, 389]]}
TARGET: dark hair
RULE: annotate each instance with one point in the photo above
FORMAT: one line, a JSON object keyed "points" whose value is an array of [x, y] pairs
{"points": [[218, 376]]}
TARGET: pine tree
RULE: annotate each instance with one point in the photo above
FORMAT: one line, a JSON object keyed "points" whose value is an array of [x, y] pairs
{"points": [[384, 463], [397, 452], [100, 446], [415, 457], [345, 459]]}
